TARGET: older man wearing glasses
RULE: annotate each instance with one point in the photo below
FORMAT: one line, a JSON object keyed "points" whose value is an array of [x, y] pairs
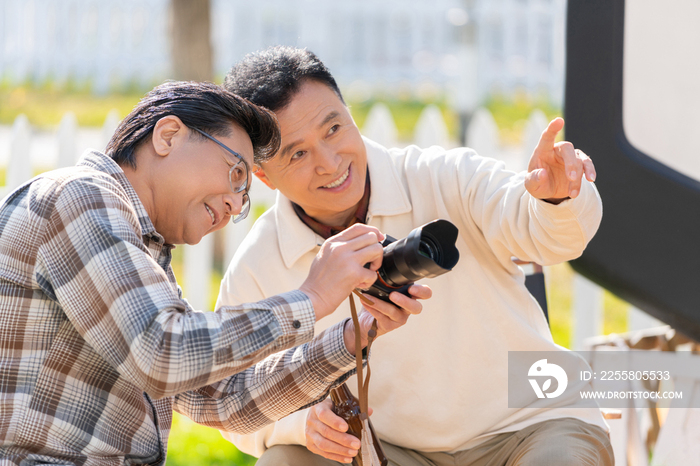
{"points": [[238, 174], [97, 345]]}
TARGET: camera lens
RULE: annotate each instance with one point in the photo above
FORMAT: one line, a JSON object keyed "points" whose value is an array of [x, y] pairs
{"points": [[427, 248], [427, 252]]}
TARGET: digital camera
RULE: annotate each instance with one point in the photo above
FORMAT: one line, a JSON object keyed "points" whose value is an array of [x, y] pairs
{"points": [[427, 252]]}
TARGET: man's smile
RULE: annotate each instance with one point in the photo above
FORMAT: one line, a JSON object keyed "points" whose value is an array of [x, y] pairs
{"points": [[338, 181], [212, 214]]}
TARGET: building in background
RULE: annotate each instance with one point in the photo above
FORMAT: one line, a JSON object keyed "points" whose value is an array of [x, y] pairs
{"points": [[462, 49], [521, 46]]}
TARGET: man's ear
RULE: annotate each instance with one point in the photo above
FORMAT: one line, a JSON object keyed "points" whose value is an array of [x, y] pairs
{"points": [[167, 133], [263, 177]]}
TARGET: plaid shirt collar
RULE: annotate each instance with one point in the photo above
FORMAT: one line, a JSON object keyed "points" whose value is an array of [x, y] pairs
{"points": [[325, 231], [106, 164]]}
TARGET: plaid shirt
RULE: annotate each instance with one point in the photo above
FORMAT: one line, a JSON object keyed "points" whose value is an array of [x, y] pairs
{"points": [[97, 347]]}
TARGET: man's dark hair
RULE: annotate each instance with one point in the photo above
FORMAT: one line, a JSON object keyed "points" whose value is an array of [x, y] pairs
{"points": [[271, 77], [204, 106]]}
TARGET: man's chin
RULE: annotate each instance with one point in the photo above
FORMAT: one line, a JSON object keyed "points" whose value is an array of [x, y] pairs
{"points": [[345, 200]]}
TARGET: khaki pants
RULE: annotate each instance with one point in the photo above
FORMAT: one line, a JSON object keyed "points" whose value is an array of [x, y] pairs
{"points": [[560, 442]]}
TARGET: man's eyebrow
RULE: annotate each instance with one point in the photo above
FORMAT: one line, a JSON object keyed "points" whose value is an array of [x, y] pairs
{"points": [[334, 114], [288, 148]]}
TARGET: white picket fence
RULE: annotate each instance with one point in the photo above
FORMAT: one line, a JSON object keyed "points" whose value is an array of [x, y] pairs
{"points": [[23, 150], [105, 43]]}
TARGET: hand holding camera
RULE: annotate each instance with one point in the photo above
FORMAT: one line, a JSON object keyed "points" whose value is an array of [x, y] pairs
{"points": [[354, 258], [390, 314], [346, 261], [427, 252]]}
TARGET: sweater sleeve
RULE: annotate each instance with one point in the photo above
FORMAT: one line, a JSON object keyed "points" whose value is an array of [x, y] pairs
{"points": [[493, 203]]}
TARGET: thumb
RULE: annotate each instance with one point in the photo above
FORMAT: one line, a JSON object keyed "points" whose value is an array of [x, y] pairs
{"points": [[536, 182]]}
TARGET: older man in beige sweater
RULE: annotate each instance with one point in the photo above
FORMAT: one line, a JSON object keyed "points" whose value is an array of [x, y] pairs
{"points": [[440, 385]]}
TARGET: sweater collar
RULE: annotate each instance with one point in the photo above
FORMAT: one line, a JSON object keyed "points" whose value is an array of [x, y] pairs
{"points": [[388, 197]]}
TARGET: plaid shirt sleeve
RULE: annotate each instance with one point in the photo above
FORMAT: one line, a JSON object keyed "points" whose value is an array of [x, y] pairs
{"points": [[93, 261], [281, 384]]}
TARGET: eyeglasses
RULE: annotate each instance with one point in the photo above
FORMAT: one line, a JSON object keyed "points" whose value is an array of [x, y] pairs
{"points": [[237, 176]]}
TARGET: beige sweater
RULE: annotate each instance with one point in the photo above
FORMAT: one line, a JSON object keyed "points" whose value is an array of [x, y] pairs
{"points": [[440, 382]]}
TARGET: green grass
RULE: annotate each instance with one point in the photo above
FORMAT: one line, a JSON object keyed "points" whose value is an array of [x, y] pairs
{"points": [[615, 314], [559, 299], [45, 106], [191, 444]]}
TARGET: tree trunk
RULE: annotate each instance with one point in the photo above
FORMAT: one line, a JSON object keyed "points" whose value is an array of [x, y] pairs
{"points": [[191, 46]]}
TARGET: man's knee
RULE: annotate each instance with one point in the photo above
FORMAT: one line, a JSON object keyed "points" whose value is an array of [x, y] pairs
{"points": [[292, 455], [566, 442]]}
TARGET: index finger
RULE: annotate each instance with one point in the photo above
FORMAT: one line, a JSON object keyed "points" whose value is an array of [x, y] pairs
{"points": [[405, 303], [325, 414], [359, 229], [372, 254], [420, 291], [549, 135]]}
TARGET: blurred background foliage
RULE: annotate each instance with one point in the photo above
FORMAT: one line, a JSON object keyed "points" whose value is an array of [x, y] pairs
{"points": [[45, 105], [193, 445]]}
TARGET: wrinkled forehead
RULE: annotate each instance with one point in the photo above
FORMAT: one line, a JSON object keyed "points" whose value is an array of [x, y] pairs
{"points": [[312, 106], [311, 90]]}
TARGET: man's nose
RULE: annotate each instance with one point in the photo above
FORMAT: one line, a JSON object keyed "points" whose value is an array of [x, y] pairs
{"points": [[327, 160], [233, 204]]}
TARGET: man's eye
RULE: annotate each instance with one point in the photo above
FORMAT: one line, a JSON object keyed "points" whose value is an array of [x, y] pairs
{"points": [[333, 129], [298, 155]]}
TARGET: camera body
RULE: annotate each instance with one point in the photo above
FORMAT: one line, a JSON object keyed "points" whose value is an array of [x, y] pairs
{"points": [[427, 252]]}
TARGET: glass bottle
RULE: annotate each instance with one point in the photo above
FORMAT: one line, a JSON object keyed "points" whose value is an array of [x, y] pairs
{"points": [[347, 406]]}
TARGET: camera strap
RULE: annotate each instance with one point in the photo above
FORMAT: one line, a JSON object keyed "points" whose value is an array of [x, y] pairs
{"points": [[369, 454], [362, 385]]}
